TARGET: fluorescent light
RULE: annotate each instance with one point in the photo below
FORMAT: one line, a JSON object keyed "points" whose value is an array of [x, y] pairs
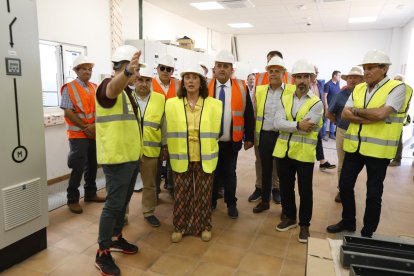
{"points": [[240, 25], [366, 19], [202, 6]]}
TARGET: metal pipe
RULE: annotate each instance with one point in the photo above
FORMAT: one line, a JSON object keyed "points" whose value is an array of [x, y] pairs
{"points": [[140, 19]]}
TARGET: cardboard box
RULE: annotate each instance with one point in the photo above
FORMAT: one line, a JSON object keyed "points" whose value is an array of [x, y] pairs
{"points": [[319, 261], [186, 43]]}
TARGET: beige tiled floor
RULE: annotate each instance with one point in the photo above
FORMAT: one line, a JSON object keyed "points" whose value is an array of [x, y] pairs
{"points": [[249, 245]]}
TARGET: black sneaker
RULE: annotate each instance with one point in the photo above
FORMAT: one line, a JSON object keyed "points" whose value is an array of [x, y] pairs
{"points": [[256, 195], [153, 221], [121, 245], [326, 166], [233, 212], [276, 196], [106, 264], [286, 224], [304, 234]]}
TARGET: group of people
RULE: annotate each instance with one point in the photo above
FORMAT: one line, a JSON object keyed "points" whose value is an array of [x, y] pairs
{"points": [[199, 125]]}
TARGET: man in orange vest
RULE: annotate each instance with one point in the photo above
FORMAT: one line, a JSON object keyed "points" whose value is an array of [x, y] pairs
{"points": [[165, 84], [263, 78], [78, 103], [237, 125]]}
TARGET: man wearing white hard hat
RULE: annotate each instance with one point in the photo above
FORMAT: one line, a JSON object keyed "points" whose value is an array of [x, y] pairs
{"points": [[164, 83], [298, 119], [375, 110], [267, 98], [150, 112], [237, 126], [78, 103], [354, 77], [119, 148]]}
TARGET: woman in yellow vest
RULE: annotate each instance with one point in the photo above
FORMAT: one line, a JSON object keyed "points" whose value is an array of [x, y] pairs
{"points": [[193, 126]]}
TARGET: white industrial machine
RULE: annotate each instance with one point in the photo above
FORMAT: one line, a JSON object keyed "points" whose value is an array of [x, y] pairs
{"points": [[23, 184]]}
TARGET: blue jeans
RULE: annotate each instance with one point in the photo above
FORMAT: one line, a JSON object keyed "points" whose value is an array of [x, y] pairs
{"points": [[120, 181], [331, 128]]}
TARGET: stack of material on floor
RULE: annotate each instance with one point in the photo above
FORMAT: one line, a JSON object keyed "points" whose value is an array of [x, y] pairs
{"points": [[368, 256]]}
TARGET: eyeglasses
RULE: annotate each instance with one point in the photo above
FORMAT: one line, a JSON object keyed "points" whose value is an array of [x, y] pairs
{"points": [[165, 68]]}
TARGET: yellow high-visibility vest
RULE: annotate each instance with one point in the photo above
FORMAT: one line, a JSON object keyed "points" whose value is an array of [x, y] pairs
{"points": [[151, 124], [261, 96], [177, 135], [118, 136], [297, 146], [380, 139]]}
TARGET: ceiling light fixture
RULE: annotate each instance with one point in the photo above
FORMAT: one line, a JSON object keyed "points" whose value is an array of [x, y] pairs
{"points": [[366, 19], [203, 6], [240, 25]]}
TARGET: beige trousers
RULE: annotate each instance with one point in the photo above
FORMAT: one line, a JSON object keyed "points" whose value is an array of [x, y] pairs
{"points": [[148, 169]]}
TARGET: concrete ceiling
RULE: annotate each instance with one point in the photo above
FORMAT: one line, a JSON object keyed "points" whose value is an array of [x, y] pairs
{"points": [[286, 16]]}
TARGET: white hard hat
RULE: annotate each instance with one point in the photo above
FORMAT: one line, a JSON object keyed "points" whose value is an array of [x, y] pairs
{"points": [[82, 60], [303, 66], [146, 72], [167, 60], [276, 61], [225, 56], [195, 70], [124, 52], [355, 71], [376, 57]]}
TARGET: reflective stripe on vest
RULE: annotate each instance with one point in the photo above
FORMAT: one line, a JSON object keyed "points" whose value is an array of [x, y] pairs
{"points": [[210, 120], [262, 78], [300, 147], [238, 106], [118, 136], [379, 139], [84, 104], [261, 96], [151, 124]]}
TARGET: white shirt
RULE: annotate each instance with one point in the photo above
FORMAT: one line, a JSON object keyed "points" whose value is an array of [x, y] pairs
{"points": [[226, 136], [273, 96], [164, 87], [315, 113], [395, 99], [142, 103]]}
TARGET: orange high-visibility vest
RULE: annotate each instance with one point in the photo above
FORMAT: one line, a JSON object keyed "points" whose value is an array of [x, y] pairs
{"points": [[84, 104], [238, 106], [263, 78], [172, 90]]}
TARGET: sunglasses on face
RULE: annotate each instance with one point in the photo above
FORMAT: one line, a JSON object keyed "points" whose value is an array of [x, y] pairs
{"points": [[165, 68]]}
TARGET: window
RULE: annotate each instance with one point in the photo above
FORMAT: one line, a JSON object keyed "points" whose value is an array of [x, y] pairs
{"points": [[56, 61]]}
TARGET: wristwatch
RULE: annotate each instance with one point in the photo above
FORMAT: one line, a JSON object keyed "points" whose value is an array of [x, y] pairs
{"points": [[126, 72]]}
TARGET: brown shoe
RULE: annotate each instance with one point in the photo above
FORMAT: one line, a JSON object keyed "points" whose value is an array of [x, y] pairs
{"points": [[262, 206], [338, 197], [75, 208], [96, 198]]}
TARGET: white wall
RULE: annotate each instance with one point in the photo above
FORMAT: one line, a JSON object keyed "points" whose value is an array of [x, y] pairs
{"points": [[329, 50], [79, 22]]}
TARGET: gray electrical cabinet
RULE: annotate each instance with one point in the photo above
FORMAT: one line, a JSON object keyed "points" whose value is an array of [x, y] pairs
{"points": [[23, 184]]}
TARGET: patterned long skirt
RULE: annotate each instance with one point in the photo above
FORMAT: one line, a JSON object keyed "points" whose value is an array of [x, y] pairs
{"points": [[192, 205]]}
